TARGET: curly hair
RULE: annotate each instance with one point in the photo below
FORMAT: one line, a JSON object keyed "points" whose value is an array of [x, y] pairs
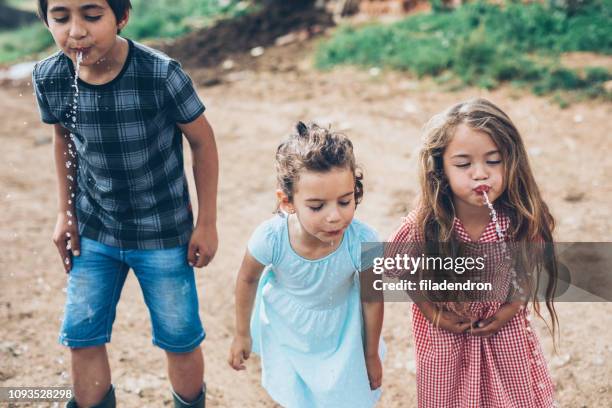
{"points": [[318, 149]]}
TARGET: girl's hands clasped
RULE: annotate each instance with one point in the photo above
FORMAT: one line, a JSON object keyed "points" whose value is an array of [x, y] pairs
{"points": [[490, 326], [445, 320], [454, 323]]}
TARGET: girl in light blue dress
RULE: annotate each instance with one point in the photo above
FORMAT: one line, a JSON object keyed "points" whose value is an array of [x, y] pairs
{"points": [[319, 344]]}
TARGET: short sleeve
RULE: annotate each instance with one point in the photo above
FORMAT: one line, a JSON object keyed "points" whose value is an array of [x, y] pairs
{"points": [[182, 101], [402, 242], [366, 247], [262, 242], [43, 106]]}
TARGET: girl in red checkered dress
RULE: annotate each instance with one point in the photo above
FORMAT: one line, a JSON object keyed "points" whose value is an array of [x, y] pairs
{"points": [[480, 353]]}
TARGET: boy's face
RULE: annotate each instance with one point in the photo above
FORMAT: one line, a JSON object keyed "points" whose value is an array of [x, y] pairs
{"points": [[88, 26]]}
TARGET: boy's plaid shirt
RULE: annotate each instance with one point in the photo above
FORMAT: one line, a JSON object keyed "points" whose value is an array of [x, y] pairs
{"points": [[132, 191]]}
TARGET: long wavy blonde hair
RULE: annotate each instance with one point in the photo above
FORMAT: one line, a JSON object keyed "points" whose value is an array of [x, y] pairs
{"points": [[521, 201]]}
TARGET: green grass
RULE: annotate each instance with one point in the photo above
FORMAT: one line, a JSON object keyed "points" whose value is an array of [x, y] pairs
{"points": [[26, 41], [173, 18], [29, 5], [150, 19], [484, 45]]}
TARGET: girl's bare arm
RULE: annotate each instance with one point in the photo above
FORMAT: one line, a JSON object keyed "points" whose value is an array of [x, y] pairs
{"points": [[246, 289]]}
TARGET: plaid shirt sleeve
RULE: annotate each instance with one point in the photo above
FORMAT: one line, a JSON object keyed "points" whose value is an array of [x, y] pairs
{"points": [[184, 104], [43, 106]]}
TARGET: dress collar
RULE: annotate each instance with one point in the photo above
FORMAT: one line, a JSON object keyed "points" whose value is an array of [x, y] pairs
{"points": [[488, 235]]}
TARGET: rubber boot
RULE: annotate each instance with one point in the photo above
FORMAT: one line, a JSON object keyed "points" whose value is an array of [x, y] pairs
{"points": [[108, 401], [200, 402]]}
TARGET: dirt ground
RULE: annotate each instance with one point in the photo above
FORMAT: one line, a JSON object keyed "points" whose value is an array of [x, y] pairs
{"points": [[251, 110]]}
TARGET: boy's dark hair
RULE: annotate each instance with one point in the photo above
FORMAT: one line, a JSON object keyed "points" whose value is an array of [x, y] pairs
{"points": [[119, 7]]}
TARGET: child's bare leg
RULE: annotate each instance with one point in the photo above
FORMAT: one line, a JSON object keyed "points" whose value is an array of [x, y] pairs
{"points": [[91, 374], [186, 373]]}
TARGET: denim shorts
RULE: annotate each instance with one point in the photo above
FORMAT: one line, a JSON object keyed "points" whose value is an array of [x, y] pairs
{"points": [[167, 283]]}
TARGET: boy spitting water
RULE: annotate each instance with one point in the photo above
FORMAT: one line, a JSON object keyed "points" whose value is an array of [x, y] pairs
{"points": [[123, 197]]}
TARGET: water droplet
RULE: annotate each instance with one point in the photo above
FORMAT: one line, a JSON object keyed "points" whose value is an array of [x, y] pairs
{"points": [[561, 360], [498, 229]]}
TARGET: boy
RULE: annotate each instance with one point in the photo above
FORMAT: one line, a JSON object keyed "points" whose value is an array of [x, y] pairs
{"points": [[123, 198]]}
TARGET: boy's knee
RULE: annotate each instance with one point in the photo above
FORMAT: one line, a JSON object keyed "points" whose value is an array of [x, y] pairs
{"points": [[195, 353], [179, 342], [88, 352]]}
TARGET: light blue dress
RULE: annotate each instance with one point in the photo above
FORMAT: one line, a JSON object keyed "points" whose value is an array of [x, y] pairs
{"points": [[307, 323]]}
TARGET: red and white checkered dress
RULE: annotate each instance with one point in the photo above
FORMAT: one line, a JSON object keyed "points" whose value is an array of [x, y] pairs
{"points": [[506, 370]]}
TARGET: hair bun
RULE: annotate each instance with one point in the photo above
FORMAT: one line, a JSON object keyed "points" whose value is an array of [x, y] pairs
{"points": [[302, 129]]}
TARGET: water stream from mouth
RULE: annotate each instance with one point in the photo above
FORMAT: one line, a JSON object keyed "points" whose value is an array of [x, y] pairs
{"points": [[498, 230], [71, 156], [501, 238]]}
